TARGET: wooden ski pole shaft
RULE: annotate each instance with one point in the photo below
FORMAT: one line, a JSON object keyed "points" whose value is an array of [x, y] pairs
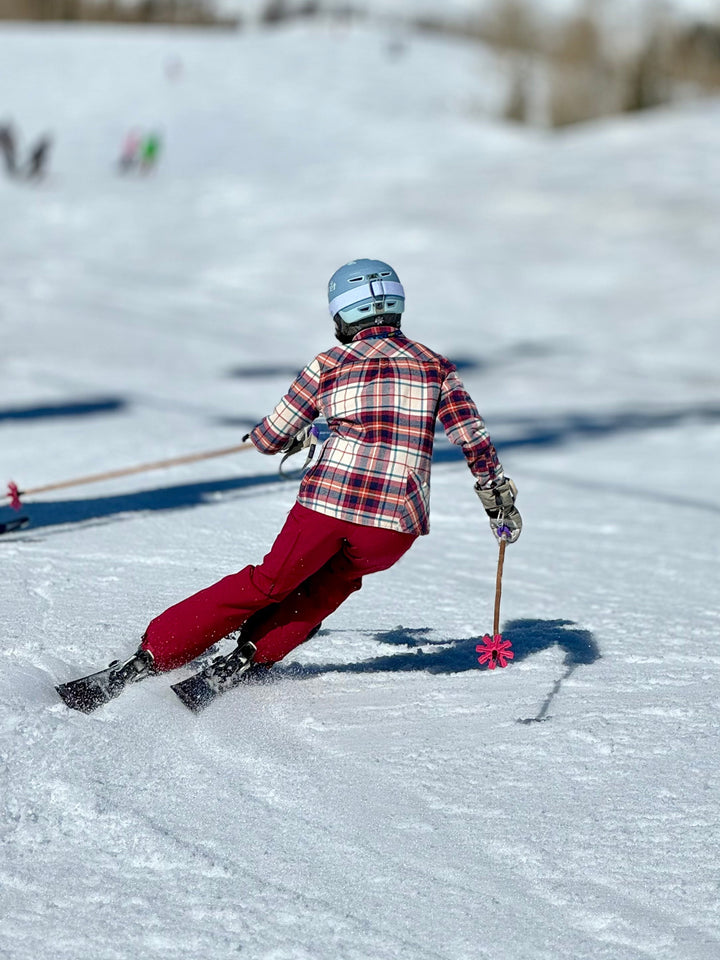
{"points": [[498, 587], [140, 468]]}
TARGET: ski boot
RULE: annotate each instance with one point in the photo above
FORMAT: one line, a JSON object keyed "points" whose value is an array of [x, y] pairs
{"points": [[89, 693], [220, 675]]}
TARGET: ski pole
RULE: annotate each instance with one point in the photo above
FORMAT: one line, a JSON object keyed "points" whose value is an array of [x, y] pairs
{"points": [[493, 650], [498, 587], [13, 493]]}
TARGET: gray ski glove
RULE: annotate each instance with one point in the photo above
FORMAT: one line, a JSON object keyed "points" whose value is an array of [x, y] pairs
{"points": [[306, 439], [499, 503]]}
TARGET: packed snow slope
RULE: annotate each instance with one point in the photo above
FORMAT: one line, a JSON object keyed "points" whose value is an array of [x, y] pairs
{"points": [[384, 797]]}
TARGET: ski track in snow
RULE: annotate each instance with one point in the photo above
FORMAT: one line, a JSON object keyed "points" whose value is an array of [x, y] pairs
{"points": [[383, 797]]}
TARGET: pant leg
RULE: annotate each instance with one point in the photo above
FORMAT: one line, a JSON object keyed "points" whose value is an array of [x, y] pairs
{"points": [[305, 543], [278, 629]]}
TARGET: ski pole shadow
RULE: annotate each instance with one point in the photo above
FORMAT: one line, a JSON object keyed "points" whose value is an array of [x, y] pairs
{"points": [[423, 653], [52, 513], [531, 636]]}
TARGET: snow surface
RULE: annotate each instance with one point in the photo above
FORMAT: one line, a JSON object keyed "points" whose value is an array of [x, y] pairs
{"points": [[384, 797]]}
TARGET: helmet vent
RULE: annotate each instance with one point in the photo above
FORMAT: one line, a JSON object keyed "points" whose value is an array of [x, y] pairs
{"points": [[355, 279]]}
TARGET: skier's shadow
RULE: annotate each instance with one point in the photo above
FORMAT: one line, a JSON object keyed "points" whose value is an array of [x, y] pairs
{"points": [[457, 656]]}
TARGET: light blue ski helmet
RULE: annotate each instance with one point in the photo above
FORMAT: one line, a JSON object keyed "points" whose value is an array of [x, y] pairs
{"points": [[364, 289]]}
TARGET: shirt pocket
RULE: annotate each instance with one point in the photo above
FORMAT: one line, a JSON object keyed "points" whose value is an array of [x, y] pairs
{"points": [[414, 511]]}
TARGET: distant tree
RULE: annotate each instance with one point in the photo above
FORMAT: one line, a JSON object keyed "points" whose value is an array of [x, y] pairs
{"points": [[311, 8], [696, 55], [275, 11], [517, 107], [579, 40], [512, 24], [648, 78]]}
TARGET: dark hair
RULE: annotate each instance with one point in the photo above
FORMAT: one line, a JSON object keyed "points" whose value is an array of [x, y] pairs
{"points": [[346, 332]]}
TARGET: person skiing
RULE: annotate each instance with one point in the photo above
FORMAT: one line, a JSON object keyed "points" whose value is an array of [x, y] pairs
{"points": [[8, 148], [149, 152], [129, 154], [360, 506], [38, 159]]}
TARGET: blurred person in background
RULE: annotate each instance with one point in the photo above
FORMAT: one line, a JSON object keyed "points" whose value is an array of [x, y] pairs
{"points": [[130, 152], [150, 152], [37, 161], [8, 148]]}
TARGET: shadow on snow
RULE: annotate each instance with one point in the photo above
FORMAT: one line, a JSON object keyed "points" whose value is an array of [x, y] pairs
{"points": [[69, 408], [525, 432], [458, 656], [554, 431], [179, 497], [463, 363]]}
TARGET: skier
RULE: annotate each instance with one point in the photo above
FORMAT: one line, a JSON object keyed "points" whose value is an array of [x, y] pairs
{"points": [[8, 148], [38, 159], [361, 505], [150, 152], [129, 154]]}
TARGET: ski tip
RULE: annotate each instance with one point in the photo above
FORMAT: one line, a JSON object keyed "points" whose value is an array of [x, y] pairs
{"points": [[81, 696], [194, 695], [70, 698]]}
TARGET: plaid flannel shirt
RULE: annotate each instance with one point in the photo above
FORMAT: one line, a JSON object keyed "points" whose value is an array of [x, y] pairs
{"points": [[381, 396]]}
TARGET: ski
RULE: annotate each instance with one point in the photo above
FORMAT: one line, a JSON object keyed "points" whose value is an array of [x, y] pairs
{"points": [[220, 675], [17, 523], [88, 693]]}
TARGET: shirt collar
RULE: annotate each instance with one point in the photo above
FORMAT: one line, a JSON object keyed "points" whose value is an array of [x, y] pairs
{"points": [[381, 330]]}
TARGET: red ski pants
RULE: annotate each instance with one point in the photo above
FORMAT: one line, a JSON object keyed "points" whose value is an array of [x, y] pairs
{"points": [[314, 565]]}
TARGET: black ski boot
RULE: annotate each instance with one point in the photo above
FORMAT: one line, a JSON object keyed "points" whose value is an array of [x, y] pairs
{"points": [[220, 675], [89, 693]]}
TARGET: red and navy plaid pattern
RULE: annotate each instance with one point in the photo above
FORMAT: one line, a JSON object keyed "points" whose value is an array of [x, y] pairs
{"points": [[381, 396]]}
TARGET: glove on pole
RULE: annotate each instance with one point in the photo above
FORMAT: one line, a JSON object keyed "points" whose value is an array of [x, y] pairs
{"points": [[499, 503]]}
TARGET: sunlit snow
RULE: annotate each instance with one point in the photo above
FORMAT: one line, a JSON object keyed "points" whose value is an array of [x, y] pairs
{"points": [[384, 797]]}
